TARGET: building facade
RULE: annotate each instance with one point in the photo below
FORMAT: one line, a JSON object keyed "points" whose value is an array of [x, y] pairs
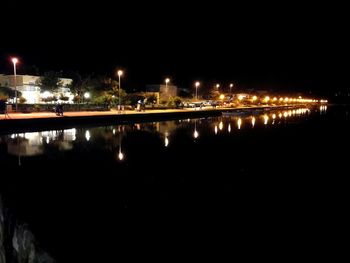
{"points": [[28, 86], [165, 91]]}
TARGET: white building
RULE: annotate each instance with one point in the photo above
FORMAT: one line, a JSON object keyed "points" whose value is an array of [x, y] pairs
{"points": [[27, 85]]}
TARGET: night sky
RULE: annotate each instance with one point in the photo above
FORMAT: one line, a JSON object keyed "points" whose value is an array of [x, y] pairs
{"points": [[270, 46]]}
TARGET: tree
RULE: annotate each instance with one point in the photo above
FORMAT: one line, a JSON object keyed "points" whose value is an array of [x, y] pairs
{"points": [[151, 99], [50, 81]]}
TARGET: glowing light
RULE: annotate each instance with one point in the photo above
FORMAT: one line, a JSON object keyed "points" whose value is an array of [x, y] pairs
{"points": [[195, 134], [280, 115], [46, 94], [120, 73], [113, 131], [253, 122], [216, 129], [266, 119], [166, 142], [267, 98], [274, 99], [14, 60], [229, 128], [285, 114], [240, 97], [255, 98], [281, 99], [222, 96], [239, 123], [273, 116], [197, 84], [167, 80], [217, 86], [221, 125], [86, 95], [120, 156], [87, 135]]}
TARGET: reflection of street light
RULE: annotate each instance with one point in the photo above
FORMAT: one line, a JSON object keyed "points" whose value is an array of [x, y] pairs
{"points": [[195, 133], [14, 61], [120, 154], [120, 73], [253, 122], [197, 85]]}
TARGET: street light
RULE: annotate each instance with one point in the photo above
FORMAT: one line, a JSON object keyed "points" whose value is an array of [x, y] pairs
{"points": [[197, 85], [120, 73], [15, 61], [231, 85], [167, 80]]}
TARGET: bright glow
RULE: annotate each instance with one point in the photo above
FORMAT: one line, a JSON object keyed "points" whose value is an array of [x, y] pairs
{"points": [[240, 97], [281, 99], [273, 116], [167, 80], [86, 95], [217, 86], [46, 94], [195, 134], [239, 123], [267, 98], [120, 73], [280, 115], [253, 122], [120, 156], [286, 99], [285, 114], [216, 129], [229, 128], [274, 99], [255, 98], [14, 60], [166, 142], [222, 96], [197, 84], [231, 85], [113, 131], [266, 119], [87, 135], [221, 125]]}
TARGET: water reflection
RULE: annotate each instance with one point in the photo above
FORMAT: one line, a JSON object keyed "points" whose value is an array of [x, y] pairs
{"points": [[31, 144]]}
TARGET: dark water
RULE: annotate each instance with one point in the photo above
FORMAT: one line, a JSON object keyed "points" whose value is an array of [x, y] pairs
{"points": [[75, 188]]}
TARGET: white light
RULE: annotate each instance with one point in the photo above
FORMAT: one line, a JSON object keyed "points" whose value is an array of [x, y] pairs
{"points": [[221, 125], [86, 95], [253, 122], [195, 134], [120, 72], [216, 129], [266, 119], [229, 128], [166, 142], [120, 156], [167, 80], [87, 135], [239, 123], [46, 94], [14, 60]]}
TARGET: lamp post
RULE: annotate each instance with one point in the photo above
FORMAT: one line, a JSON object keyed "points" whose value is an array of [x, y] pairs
{"points": [[120, 73], [167, 80], [231, 85], [197, 85], [14, 61]]}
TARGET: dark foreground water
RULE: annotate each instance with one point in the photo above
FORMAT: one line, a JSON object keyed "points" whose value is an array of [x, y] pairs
{"points": [[69, 193]]}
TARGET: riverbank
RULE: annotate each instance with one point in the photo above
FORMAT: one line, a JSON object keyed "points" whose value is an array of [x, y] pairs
{"points": [[48, 120]]}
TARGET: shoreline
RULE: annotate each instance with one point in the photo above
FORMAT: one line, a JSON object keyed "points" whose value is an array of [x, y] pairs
{"points": [[16, 122]]}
